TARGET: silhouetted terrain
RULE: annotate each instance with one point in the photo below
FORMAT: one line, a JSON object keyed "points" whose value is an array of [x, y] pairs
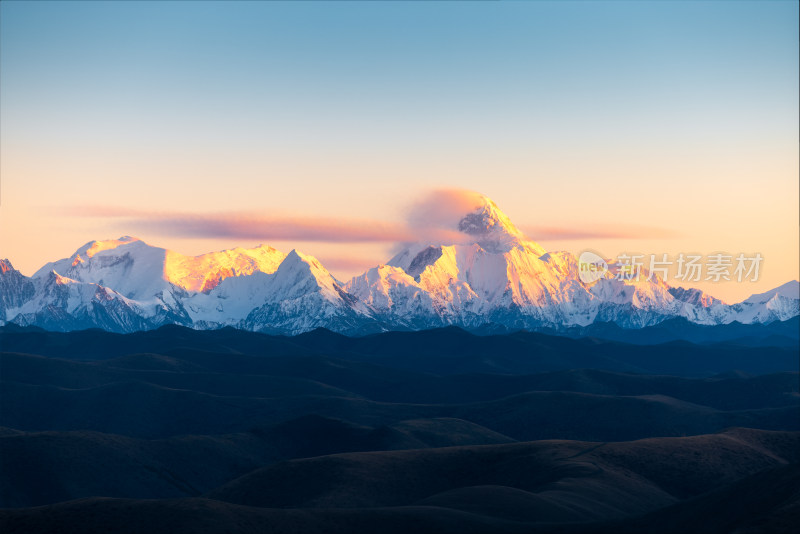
{"points": [[777, 333], [448, 350], [177, 430], [46, 467]]}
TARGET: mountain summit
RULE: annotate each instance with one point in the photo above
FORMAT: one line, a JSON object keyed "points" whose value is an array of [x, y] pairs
{"points": [[493, 230], [483, 225], [139, 271], [482, 270]]}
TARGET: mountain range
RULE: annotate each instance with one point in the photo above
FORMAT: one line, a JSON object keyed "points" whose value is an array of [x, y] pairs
{"points": [[489, 276]]}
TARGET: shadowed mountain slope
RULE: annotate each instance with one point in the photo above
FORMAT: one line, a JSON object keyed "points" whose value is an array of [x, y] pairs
{"points": [[624, 478], [441, 351], [430, 431], [47, 467], [741, 479], [144, 410]]}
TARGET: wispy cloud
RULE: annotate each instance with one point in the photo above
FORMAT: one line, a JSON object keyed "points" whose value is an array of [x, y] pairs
{"points": [[563, 233], [249, 226], [110, 212], [442, 208], [433, 218]]}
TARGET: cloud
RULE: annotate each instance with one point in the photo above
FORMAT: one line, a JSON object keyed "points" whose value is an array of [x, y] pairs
{"points": [[249, 226], [435, 217], [102, 211], [443, 208], [432, 219], [553, 233]]}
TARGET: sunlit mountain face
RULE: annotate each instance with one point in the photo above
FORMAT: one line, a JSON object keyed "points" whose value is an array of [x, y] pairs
{"points": [[482, 271], [128, 263]]}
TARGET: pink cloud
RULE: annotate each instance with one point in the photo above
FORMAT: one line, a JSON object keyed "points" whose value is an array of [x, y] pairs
{"points": [[603, 232], [248, 226], [102, 211], [443, 208], [433, 218]]}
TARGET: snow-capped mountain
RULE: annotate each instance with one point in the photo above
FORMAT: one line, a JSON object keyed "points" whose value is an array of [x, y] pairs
{"points": [[259, 289], [489, 273], [139, 271], [778, 304], [160, 282], [127, 266], [60, 303], [694, 296], [15, 288], [502, 278], [302, 295]]}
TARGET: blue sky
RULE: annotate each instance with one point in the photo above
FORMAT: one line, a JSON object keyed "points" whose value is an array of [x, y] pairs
{"points": [[360, 65], [557, 110]]}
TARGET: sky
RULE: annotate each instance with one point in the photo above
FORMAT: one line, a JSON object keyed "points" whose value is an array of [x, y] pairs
{"points": [[619, 127]]}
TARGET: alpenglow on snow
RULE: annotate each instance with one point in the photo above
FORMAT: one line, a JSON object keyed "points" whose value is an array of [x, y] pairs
{"points": [[490, 273]]}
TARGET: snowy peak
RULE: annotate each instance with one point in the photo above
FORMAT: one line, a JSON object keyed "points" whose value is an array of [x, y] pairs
{"points": [[490, 228], [302, 295], [488, 273], [484, 225], [789, 290], [487, 220], [128, 265], [300, 274], [203, 273], [87, 252], [6, 267], [140, 271], [296, 260], [93, 247], [15, 288], [694, 296]]}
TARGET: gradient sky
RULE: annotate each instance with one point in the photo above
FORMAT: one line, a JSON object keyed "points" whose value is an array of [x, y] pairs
{"points": [[652, 127]]}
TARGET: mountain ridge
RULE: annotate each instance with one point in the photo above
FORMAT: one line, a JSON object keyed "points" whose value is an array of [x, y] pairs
{"points": [[486, 272]]}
